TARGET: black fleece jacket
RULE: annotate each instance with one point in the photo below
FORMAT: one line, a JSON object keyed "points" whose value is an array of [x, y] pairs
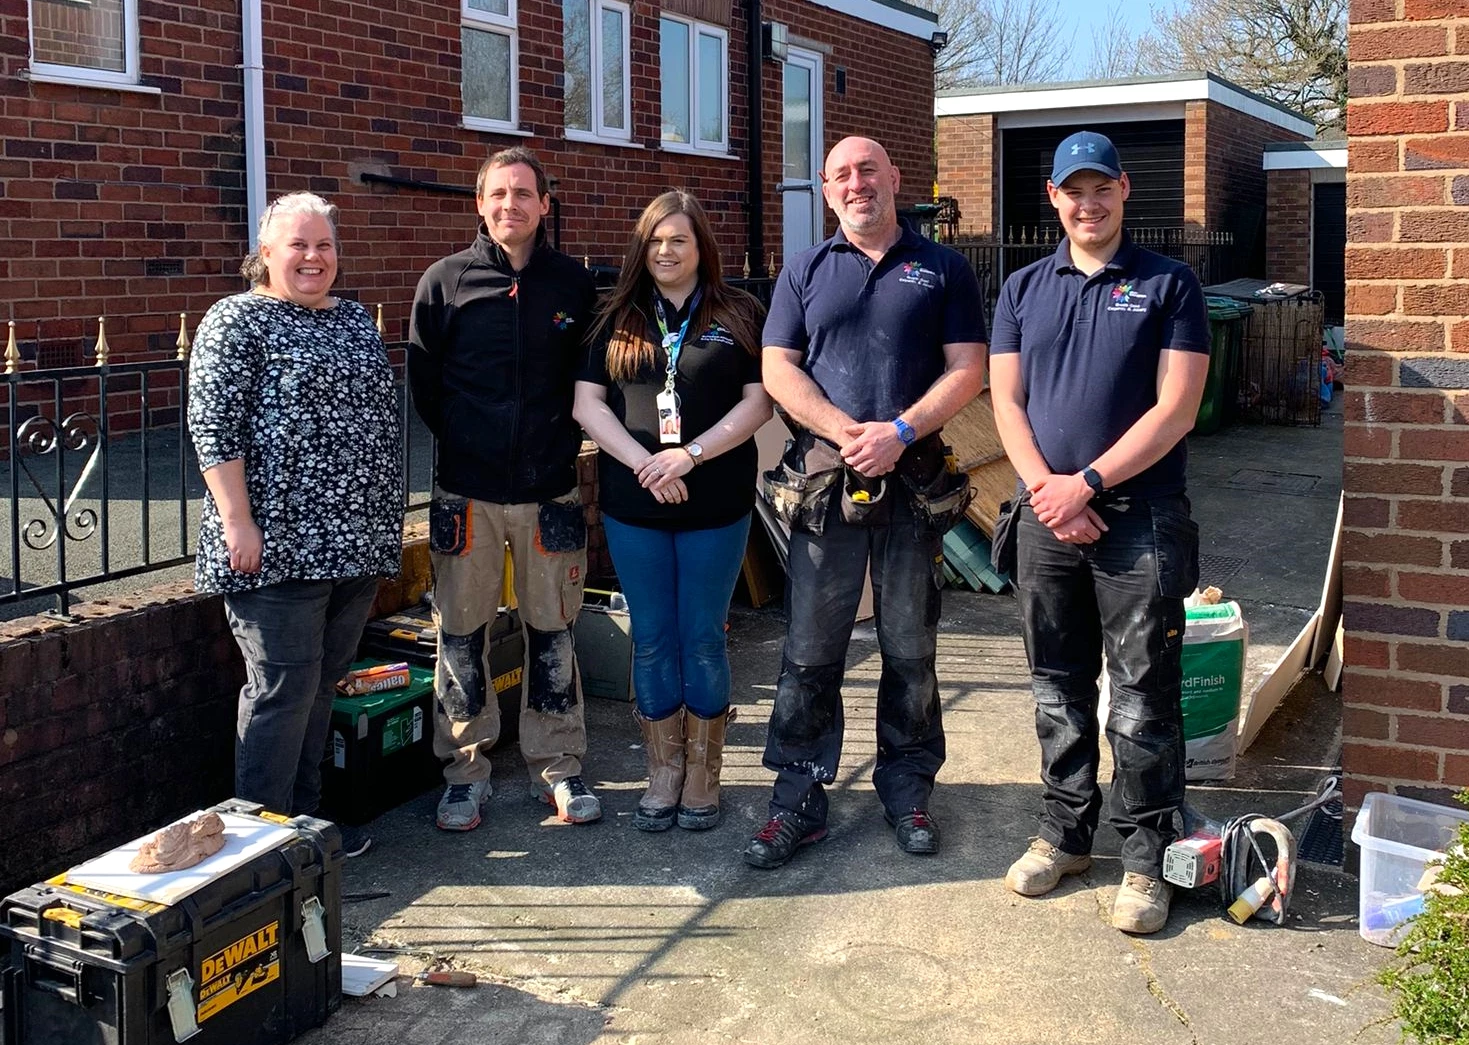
{"points": [[492, 361]]}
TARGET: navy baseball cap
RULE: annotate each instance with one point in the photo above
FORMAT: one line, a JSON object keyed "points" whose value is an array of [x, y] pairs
{"points": [[1085, 151]]}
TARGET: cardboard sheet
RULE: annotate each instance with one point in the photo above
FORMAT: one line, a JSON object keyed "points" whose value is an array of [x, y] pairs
{"points": [[244, 839], [980, 454]]}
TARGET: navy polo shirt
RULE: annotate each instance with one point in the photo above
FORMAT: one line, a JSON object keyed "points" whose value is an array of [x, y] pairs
{"points": [[1089, 349], [872, 336]]}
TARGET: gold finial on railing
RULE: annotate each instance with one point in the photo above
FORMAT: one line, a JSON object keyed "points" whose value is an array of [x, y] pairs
{"points": [[12, 353], [103, 349], [586, 260], [183, 344], [772, 263], [746, 269], [382, 329]]}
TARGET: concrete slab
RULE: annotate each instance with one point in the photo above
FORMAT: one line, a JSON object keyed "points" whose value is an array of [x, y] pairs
{"points": [[602, 934]]}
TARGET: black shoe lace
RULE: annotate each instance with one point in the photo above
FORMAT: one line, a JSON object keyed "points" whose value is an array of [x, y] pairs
{"points": [[575, 787], [458, 793]]}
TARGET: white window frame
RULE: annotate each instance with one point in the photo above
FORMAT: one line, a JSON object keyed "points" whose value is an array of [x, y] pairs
{"points": [[696, 144], [599, 130], [505, 25], [77, 74]]}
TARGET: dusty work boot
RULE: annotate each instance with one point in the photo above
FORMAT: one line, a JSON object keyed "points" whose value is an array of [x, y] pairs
{"points": [[663, 739], [698, 806], [1042, 867], [574, 801], [1142, 904], [776, 842], [915, 831], [460, 806]]}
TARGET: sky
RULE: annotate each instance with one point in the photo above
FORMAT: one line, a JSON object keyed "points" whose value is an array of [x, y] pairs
{"points": [[1086, 15]]}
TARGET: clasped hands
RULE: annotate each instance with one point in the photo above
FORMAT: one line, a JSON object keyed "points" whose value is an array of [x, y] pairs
{"points": [[661, 474], [1062, 503]]}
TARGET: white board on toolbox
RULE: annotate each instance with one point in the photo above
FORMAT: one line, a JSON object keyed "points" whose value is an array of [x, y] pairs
{"points": [[245, 837]]}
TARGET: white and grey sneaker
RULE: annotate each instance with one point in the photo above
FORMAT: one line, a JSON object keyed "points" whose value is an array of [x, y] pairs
{"points": [[460, 806], [573, 800]]}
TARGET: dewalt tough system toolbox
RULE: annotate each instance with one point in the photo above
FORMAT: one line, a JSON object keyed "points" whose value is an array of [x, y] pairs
{"points": [[250, 957]]}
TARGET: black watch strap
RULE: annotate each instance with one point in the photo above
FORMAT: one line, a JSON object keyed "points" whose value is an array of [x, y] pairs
{"points": [[1094, 480]]}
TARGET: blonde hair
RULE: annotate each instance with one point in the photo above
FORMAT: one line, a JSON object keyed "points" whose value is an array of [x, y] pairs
{"points": [[253, 267]]}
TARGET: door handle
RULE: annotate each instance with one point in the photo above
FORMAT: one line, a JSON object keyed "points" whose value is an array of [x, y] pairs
{"points": [[794, 186]]}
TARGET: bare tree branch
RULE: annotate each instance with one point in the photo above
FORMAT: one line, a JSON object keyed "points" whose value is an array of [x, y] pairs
{"points": [[1291, 51], [994, 42]]}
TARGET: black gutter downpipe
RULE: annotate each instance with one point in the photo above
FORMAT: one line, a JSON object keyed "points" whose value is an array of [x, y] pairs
{"points": [[756, 234]]}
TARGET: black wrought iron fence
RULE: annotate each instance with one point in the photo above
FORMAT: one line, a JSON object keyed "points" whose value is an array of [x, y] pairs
{"points": [[1212, 255]]}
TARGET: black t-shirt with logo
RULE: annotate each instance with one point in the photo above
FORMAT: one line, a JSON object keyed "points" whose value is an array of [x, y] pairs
{"points": [[712, 374]]}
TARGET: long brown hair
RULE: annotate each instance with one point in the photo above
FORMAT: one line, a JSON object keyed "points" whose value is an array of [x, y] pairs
{"points": [[623, 319]]}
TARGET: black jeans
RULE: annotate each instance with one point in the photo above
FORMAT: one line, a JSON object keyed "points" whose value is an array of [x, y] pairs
{"points": [[1122, 594], [823, 588]]}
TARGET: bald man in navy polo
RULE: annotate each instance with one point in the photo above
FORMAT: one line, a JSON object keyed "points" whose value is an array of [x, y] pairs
{"points": [[1098, 360]]}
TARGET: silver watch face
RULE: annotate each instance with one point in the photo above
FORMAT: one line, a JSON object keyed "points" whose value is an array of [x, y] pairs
{"points": [[695, 451]]}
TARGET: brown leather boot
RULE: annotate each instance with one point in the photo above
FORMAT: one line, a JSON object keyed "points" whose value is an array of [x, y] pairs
{"points": [[663, 739], [698, 808]]}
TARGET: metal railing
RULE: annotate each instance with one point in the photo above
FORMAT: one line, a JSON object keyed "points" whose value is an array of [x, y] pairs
{"points": [[100, 476], [1212, 255]]}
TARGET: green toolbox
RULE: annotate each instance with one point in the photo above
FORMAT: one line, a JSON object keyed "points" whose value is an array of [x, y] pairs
{"points": [[246, 950], [381, 749]]}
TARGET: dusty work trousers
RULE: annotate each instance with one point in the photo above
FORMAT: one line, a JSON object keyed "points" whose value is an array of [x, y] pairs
{"points": [[548, 552], [823, 589], [1123, 594]]}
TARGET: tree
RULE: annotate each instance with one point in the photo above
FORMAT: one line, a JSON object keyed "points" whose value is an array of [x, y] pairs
{"points": [[993, 42], [1116, 51], [1291, 51]]}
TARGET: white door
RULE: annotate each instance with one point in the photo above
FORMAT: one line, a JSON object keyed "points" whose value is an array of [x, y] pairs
{"points": [[800, 191]]}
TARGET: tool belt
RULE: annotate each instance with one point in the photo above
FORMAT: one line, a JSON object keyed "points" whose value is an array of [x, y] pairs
{"points": [[812, 477]]}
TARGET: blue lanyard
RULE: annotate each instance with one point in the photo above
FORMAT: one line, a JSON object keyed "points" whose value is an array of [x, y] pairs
{"points": [[673, 343]]}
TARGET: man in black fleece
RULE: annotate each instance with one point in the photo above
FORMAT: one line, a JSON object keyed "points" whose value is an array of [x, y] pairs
{"points": [[495, 346]]}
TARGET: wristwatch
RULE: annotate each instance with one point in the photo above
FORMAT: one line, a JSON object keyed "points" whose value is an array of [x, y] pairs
{"points": [[1094, 480], [906, 435], [695, 452]]}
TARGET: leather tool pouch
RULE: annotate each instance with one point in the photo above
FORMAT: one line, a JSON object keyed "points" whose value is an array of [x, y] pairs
{"points": [[801, 487], [939, 492]]}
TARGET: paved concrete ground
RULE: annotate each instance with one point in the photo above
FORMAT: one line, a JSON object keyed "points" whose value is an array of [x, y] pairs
{"points": [[601, 934]]}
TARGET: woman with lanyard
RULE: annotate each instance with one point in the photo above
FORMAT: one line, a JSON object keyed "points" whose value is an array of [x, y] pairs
{"points": [[672, 395]]}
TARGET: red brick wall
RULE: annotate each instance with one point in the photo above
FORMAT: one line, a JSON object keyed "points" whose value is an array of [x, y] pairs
{"points": [[1406, 543], [111, 727], [1288, 226], [966, 165], [97, 182], [1233, 183]]}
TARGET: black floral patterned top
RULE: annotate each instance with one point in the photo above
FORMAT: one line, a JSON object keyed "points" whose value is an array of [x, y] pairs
{"points": [[305, 396]]}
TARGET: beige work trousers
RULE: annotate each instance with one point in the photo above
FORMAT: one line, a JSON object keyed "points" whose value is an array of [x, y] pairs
{"points": [[548, 555]]}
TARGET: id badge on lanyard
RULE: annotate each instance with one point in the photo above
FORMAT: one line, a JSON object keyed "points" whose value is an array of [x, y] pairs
{"points": [[670, 425]]}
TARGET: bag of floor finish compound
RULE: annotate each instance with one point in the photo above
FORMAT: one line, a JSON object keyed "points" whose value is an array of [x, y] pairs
{"points": [[1214, 641]]}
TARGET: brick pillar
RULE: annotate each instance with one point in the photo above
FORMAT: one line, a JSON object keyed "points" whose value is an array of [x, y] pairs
{"points": [[1406, 554], [1195, 163], [966, 170], [1288, 226]]}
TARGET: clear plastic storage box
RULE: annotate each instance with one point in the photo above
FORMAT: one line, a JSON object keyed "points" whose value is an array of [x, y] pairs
{"points": [[1398, 836]]}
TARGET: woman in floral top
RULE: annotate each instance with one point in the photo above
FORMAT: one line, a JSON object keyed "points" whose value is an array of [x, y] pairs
{"points": [[294, 418]]}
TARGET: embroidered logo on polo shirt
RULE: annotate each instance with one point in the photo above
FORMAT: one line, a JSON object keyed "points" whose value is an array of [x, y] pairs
{"points": [[717, 334], [562, 320], [916, 274], [1126, 299]]}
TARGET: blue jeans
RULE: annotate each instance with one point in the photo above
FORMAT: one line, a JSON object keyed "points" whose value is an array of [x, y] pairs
{"points": [[678, 584], [298, 637], [1122, 594]]}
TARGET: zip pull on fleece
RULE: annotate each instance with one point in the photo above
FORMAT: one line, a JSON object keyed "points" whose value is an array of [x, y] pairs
{"points": [[514, 286]]}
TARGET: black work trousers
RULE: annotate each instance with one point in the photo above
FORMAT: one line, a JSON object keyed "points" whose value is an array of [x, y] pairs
{"points": [[823, 588], [1122, 594]]}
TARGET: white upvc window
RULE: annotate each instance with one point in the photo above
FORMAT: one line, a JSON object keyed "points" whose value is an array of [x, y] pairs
{"points": [[489, 81], [85, 41], [598, 69], [694, 70]]}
